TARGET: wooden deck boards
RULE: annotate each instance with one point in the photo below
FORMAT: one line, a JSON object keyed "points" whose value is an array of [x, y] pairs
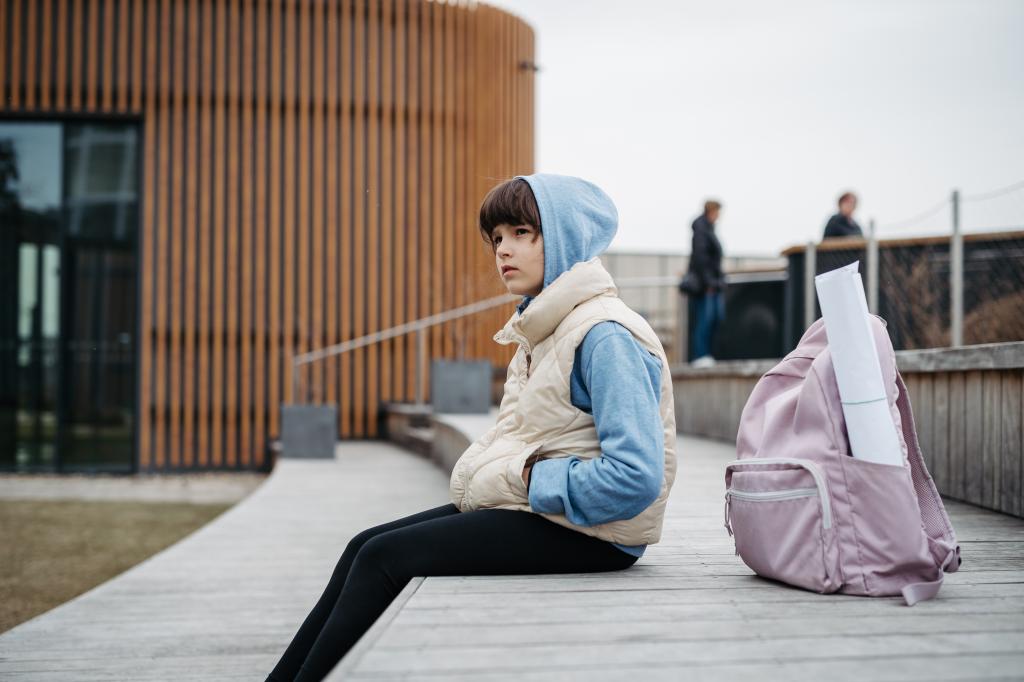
{"points": [[690, 610], [223, 603]]}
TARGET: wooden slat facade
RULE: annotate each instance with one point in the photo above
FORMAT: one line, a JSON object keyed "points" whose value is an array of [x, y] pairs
{"points": [[311, 173]]}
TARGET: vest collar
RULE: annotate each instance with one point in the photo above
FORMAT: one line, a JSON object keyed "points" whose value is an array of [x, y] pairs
{"points": [[582, 282]]}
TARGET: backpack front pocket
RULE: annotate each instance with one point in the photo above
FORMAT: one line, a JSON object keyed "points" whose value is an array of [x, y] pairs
{"points": [[780, 515]]}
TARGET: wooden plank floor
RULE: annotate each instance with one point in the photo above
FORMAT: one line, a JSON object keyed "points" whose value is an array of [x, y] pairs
{"points": [[690, 610], [223, 603]]}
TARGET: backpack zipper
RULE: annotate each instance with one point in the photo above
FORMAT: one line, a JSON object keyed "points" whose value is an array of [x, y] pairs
{"points": [[815, 471], [773, 495]]}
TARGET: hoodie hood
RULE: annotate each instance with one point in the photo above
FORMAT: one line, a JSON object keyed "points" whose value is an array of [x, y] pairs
{"points": [[578, 221]]}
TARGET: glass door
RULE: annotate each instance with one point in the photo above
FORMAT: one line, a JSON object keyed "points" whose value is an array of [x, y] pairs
{"points": [[68, 288], [98, 391], [100, 297], [30, 208]]}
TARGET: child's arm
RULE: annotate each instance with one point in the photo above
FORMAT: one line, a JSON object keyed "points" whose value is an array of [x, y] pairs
{"points": [[621, 385]]}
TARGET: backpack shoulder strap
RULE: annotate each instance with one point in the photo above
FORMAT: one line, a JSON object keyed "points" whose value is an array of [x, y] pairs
{"points": [[940, 533]]}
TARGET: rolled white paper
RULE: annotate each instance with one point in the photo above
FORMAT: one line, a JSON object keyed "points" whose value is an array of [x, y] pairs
{"points": [[869, 423]]}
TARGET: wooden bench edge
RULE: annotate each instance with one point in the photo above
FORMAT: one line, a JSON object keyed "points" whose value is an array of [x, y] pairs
{"points": [[369, 639]]}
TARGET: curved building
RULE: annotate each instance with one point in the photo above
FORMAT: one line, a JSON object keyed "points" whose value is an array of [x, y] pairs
{"points": [[194, 192]]}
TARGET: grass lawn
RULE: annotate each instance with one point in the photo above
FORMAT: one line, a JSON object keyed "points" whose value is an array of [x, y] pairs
{"points": [[55, 550]]}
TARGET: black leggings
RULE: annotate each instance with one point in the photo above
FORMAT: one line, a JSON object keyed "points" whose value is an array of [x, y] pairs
{"points": [[379, 562]]}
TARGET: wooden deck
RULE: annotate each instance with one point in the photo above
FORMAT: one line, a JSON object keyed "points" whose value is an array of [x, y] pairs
{"points": [[223, 603], [690, 610]]}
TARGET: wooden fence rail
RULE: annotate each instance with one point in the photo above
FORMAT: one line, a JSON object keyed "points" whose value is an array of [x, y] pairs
{"points": [[968, 405]]}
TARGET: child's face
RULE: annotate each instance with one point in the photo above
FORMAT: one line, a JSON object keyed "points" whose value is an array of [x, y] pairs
{"points": [[519, 255]]}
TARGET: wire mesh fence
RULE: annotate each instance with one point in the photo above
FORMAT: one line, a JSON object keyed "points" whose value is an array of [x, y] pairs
{"points": [[994, 289], [913, 289], [991, 273], [916, 275], [916, 290], [915, 285]]}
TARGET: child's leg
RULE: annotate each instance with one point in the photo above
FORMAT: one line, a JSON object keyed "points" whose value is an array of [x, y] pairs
{"points": [[295, 654], [484, 542]]}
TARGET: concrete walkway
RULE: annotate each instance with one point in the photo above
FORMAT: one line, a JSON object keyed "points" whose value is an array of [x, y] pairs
{"points": [[200, 488], [223, 603]]}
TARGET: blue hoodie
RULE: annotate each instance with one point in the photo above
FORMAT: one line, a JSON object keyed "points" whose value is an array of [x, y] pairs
{"points": [[613, 378]]}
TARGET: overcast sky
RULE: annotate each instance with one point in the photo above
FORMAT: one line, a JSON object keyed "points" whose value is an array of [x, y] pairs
{"points": [[777, 107]]}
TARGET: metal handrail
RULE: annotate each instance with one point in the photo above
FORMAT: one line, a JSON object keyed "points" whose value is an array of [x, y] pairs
{"points": [[424, 323], [417, 326]]}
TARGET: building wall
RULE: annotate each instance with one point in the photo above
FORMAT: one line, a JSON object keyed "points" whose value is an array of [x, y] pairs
{"points": [[311, 173]]}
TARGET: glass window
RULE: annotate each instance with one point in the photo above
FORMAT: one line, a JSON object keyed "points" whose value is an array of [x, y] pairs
{"points": [[101, 178], [68, 287]]}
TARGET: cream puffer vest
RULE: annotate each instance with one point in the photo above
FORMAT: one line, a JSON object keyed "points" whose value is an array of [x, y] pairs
{"points": [[536, 419]]}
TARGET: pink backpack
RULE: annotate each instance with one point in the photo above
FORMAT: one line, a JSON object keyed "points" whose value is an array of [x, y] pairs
{"points": [[803, 511]]}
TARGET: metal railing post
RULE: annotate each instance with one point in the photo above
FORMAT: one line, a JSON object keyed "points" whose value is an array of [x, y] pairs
{"points": [[872, 267], [956, 277], [810, 296]]}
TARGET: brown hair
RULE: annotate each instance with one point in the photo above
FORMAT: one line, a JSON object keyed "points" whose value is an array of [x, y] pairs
{"points": [[510, 203], [844, 196], [711, 205]]}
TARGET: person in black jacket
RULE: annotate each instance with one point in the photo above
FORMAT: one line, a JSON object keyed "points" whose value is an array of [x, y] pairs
{"points": [[706, 264], [842, 223]]}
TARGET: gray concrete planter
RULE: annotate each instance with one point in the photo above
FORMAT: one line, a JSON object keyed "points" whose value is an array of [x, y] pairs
{"points": [[460, 386], [309, 431]]}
